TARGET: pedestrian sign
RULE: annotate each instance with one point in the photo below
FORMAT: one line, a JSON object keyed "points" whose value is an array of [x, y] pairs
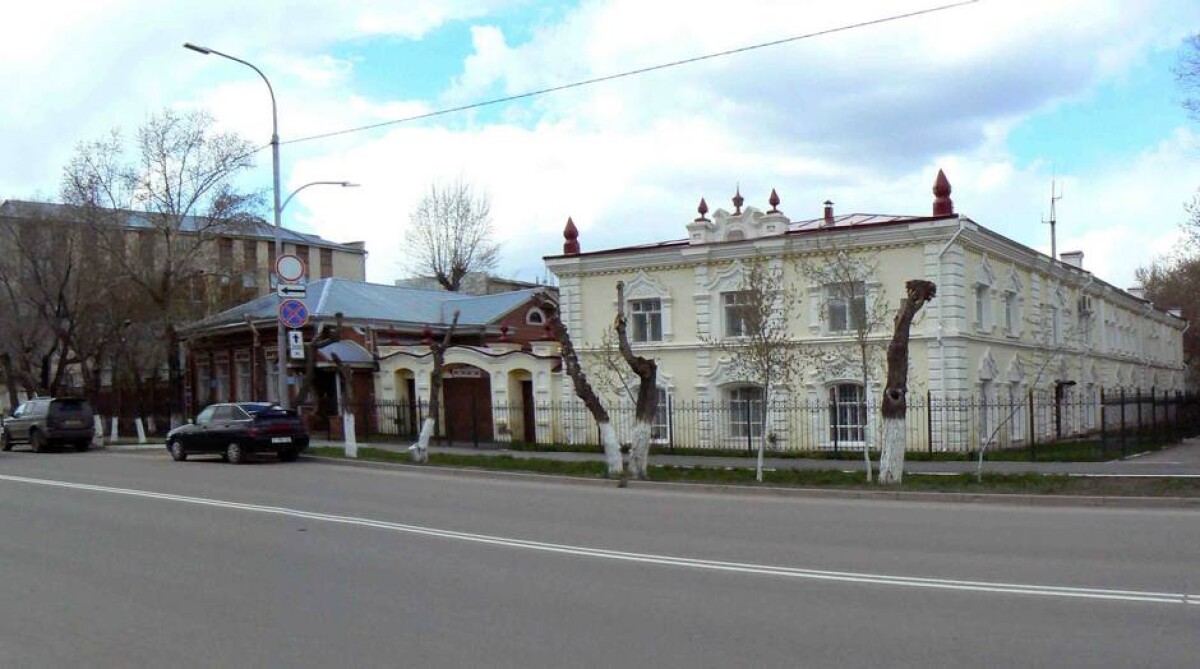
{"points": [[293, 313]]}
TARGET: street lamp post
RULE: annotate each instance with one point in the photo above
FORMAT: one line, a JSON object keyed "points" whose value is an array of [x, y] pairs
{"points": [[280, 338], [343, 184]]}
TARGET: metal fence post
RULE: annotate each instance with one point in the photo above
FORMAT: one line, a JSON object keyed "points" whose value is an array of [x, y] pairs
{"points": [[1032, 429], [1103, 425], [1122, 421], [929, 418]]}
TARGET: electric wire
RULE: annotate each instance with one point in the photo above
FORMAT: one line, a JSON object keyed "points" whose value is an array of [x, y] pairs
{"points": [[630, 73]]}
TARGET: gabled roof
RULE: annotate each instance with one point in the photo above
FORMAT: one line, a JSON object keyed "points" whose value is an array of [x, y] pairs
{"points": [[359, 301], [256, 228]]}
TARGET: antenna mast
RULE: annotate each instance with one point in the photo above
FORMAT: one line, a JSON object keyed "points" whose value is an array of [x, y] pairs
{"points": [[1055, 196]]}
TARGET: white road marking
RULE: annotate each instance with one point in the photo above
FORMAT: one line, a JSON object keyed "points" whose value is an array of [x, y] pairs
{"points": [[649, 558]]}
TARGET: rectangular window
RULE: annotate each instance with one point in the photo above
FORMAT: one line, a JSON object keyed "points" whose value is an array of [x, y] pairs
{"points": [[271, 366], [647, 320], [203, 390], [736, 307], [981, 304], [745, 412], [326, 263], [271, 264], [221, 376], [250, 263], [1010, 312], [847, 414], [660, 430], [224, 254], [244, 388], [846, 306]]}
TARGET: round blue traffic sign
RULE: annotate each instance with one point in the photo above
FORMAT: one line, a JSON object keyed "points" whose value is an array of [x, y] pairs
{"points": [[293, 313]]}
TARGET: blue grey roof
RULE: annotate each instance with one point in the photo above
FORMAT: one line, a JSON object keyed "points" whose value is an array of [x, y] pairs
{"points": [[379, 303], [256, 228], [348, 352]]}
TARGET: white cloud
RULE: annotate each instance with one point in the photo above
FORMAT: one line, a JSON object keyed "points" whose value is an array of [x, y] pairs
{"points": [[864, 118]]}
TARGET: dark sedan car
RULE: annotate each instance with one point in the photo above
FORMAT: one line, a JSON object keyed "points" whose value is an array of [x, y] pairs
{"points": [[238, 430]]}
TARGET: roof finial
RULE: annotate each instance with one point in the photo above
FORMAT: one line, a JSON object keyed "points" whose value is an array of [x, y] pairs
{"points": [[571, 235], [738, 200], [774, 202], [942, 204], [703, 209]]}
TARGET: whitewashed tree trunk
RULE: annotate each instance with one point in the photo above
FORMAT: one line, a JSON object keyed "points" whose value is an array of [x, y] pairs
{"points": [[97, 431], [639, 451], [766, 432], [891, 460], [113, 436], [420, 450], [141, 430], [612, 449], [348, 432]]}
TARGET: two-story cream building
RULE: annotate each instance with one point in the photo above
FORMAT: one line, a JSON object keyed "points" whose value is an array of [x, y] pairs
{"points": [[1007, 320]]}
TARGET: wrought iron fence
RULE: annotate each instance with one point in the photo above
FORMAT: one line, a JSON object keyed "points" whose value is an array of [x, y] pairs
{"points": [[1120, 420]]}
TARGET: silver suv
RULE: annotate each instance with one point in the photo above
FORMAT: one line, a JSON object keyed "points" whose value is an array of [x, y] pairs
{"points": [[46, 421]]}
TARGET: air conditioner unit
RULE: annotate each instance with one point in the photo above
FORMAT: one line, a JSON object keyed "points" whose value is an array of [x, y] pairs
{"points": [[1085, 305]]}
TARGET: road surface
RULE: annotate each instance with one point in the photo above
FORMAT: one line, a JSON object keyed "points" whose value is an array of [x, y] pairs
{"points": [[119, 559]]}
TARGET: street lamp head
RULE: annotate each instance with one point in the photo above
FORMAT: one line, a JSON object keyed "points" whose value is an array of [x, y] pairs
{"points": [[197, 48], [347, 184]]}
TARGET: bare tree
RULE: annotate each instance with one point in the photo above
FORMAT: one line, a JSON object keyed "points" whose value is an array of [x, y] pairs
{"points": [[174, 195], [583, 388], [894, 406], [1188, 73], [450, 234], [420, 450], [848, 306], [761, 348], [647, 397]]}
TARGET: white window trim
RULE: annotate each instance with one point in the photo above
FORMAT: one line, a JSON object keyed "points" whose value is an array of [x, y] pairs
{"points": [[645, 287]]}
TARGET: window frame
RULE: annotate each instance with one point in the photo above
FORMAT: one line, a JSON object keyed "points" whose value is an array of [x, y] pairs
{"points": [[841, 409]]}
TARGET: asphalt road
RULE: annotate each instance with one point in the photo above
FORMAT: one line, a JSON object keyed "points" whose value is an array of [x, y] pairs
{"points": [[124, 559]]}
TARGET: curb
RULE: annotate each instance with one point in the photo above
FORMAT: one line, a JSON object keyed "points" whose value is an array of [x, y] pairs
{"points": [[1086, 501]]}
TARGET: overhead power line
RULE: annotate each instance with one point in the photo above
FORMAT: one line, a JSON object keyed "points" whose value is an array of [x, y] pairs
{"points": [[630, 73]]}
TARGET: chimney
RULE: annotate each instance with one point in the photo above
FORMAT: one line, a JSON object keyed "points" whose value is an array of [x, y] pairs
{"points": [[1072, 258], [942, 204], [570, 239], [828, 213]]}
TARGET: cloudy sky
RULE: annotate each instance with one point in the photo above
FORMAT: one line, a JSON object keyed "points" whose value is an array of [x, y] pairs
{"points": [[1003, 95]]}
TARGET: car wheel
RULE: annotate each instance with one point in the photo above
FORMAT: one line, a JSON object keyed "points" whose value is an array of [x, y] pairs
{"points": [[177, 452], [5, 441], [82, 446], [37, 442], [234, 453], [288, 454]]}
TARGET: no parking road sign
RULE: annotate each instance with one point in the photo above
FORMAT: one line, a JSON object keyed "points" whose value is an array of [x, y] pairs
{"points": [[293, 313]]}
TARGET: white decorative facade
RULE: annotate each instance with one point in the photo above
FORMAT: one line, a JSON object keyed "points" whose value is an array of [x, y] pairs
{"points": [[1006, 320]]}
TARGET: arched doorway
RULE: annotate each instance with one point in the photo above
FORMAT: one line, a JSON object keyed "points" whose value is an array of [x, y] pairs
{"points": [[467, 392], [521, 416]]}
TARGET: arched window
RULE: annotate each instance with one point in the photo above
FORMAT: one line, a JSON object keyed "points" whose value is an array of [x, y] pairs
{"points": [[535, 317], [847, 414]]}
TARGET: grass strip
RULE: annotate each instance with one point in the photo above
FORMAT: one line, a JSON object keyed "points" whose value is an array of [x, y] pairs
{"points": [[1028, 484]]}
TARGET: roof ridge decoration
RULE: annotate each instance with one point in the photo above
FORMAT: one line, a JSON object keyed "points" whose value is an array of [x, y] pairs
{"points": [[942, 204]]}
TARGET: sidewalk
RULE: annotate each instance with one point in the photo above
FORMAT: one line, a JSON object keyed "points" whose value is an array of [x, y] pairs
{"points": [[1179, 461]]}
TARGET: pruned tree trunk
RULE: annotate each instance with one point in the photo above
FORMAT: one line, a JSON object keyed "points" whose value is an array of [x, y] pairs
{"points": [[420, 450], [584, 390], [346, 408], [647, 397], [894, 406]]}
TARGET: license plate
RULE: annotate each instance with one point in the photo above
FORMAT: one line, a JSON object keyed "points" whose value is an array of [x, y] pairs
{"points": [[72, 423], [281, 440]]}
